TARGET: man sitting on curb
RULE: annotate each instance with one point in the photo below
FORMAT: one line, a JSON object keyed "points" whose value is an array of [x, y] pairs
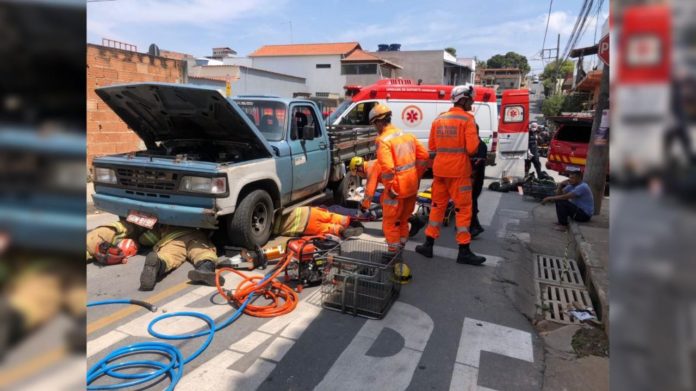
{"points": [[574, 200]]}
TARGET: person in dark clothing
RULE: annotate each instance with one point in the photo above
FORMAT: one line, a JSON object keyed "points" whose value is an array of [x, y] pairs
{"points": [[478, 163], [574, 200], [533, 154]]}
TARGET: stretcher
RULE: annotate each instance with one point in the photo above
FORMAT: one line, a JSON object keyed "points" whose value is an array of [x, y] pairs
{"points": [[424, 204]]}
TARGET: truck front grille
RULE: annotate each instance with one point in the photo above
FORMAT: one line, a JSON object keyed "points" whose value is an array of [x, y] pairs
{"points": [[138, 178]]}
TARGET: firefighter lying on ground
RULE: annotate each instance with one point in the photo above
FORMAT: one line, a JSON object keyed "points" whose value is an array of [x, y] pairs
{"points": [[171, 247], [311, 221]]}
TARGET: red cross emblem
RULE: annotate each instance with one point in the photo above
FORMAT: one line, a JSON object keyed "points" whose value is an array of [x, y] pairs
{"points": [[412, 116]]}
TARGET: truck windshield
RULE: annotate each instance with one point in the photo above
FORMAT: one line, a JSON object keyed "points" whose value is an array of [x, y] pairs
{"points": [[268, 116], [339, 110]]}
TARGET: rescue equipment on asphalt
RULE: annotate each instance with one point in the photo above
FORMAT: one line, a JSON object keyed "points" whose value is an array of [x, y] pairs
{"points": [[107, 254], [402, 273]]}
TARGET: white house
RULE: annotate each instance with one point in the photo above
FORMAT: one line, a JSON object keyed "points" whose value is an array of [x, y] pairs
{"points": [[327, 67]]}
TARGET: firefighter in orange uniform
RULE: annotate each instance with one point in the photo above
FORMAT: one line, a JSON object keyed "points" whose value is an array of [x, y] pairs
{"points": [[453, 139], [401, 160]]}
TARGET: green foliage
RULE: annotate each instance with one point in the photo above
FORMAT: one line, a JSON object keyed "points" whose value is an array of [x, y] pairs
{"points": [[549, 75], [573, 103], [553, 105], [510, 60], [481, 65], [451, 51]]}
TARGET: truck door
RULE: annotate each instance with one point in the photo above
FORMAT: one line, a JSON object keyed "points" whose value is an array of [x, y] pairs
{"points": [[513, 127], [310, 158]]}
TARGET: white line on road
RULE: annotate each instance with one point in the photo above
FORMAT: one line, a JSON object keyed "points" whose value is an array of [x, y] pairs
{"points": [[478, 336]]}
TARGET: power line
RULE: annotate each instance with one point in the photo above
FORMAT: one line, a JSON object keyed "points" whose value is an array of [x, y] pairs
{"points": [[576, 33], [548, 19]]}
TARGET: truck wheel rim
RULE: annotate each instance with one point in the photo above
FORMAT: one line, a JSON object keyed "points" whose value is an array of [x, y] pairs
{"points": [[352, 187], [258, 218]]}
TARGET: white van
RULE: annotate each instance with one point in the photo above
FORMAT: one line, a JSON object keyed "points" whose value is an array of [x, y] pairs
{"points": [[415, 107]]}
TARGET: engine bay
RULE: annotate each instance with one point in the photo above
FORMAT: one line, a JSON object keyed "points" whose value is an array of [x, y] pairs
{"points": [[203, 150]]}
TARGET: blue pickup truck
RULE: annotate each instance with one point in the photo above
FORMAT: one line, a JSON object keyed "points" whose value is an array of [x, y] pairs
{"points": [[216, 163]]}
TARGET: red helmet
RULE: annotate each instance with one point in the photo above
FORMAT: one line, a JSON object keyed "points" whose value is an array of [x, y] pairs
{"points": [[129, 247]]}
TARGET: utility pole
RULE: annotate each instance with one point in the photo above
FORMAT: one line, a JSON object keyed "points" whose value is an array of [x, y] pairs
{"points": [[597, 164], [558, 47]]}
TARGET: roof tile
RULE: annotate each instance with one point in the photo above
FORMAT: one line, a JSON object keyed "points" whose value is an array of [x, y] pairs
{"points": [[307, 49]]}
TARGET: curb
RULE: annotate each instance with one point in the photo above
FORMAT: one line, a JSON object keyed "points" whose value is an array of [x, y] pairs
{"points": [[593, 271]]}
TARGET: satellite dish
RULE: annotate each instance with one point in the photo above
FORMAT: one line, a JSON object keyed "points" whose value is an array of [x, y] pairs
{"points": [[153, 50]]}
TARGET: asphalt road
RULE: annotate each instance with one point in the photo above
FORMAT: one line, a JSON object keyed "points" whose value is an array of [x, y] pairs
{"points": [[452, 326]]}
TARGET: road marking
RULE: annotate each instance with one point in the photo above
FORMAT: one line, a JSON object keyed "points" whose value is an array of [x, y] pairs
{"points": [[120, 314], [355, 370], [24, 370], [98, 344], [217, 373], [478, 336], [438, 251]]}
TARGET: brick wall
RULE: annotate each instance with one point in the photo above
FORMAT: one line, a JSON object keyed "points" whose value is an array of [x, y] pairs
{"points": [[106, 133]]}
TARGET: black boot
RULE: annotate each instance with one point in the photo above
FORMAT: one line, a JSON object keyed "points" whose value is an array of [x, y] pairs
{"points": [[467, 257], [417, 223], [204, 273], [426, 249], [354, 229], [153, 269]]}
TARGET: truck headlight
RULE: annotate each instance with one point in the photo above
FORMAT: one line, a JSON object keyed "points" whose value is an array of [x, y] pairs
{"points": [[105, 175], [217, 185]]}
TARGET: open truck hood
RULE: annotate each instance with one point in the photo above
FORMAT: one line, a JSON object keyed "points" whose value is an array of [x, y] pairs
{"points": [[162, 112]]}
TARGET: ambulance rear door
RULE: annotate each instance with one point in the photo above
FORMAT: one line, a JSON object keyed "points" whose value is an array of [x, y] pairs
{"points": [[513, 127]]}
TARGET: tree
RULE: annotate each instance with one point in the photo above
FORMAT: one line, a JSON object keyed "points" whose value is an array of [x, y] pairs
{"points": [[553, 72], [451, 51], [552, 105], [481, 65], [510, 60]]}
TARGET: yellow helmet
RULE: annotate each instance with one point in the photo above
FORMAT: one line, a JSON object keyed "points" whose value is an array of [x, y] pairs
{"points": [[402, 273], [355, 164], [380, 111]]}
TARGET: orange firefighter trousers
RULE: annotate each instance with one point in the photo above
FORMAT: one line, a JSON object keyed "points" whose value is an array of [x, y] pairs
{"points": [[459, 190], [395, 214]]}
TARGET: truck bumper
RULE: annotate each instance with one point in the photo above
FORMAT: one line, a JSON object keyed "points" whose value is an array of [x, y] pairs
{"points": [[178, 215]]}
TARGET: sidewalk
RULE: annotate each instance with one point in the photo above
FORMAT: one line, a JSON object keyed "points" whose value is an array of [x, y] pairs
{"points": [[571, 363]]}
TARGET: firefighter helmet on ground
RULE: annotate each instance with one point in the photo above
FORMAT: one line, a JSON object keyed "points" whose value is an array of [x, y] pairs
{"points": [[402, 273]]}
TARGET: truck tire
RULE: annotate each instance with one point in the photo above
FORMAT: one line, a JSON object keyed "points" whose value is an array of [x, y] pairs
{"points": [[346, 189], [251, 224]]}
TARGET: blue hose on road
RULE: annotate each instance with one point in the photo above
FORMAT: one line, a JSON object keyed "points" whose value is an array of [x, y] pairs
{"points": [[174, 368]]}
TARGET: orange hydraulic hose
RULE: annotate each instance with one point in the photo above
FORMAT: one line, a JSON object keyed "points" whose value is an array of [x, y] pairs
{"points": [[283, 298]]}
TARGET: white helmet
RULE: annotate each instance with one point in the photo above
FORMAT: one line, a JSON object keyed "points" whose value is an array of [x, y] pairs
{"points": [[463, 91]]}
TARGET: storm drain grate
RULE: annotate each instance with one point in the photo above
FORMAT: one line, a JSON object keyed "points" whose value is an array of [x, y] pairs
{"points": [[554, 270], [558, 300]]}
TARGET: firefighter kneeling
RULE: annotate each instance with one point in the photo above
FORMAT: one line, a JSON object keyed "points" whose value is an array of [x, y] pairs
{"points": [[171, 247], [453, 138]]}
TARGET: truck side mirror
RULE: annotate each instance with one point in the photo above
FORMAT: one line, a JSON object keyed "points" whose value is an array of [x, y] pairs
{"points": [[308, 133]]}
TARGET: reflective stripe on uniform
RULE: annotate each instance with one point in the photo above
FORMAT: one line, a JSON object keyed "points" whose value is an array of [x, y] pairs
{"points": [[405, 167], [434, 223], [462, 229], [172, 236], [392, 136], [465, 188], [394, 245], [387, 176], [295, 227], [454, 116], [391, 202], [451, 150]]}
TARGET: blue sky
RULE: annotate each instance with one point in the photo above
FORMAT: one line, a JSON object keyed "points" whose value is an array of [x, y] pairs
{"points": [[475, 28]]}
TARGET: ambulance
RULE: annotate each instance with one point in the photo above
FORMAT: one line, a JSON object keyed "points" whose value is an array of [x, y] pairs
{"points": [[414, 107]]}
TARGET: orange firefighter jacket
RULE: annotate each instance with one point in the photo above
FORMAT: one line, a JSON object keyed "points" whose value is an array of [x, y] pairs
{"points": [[401, 161], [453, 138]]}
